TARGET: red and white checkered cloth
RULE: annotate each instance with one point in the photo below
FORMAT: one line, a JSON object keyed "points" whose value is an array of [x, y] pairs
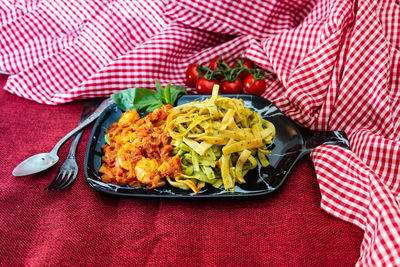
{"points": [[337, 66]]}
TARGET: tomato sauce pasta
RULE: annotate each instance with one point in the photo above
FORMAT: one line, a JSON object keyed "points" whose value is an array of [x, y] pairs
{"points": [[139, 151]]}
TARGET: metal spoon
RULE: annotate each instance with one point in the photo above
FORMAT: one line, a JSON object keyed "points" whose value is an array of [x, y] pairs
{"points": [[43, 161]]}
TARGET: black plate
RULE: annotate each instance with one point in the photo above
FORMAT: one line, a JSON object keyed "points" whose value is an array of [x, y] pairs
{"points": [[291, 142]]}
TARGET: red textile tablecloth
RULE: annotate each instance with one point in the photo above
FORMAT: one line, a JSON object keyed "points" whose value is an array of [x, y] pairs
{"points": [[82, 226]]}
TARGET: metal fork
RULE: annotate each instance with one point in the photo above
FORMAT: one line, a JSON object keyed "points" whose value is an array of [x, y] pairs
{"points": [[68, 172]]}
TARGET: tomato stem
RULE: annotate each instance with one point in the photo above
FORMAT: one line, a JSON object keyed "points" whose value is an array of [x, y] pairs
{"points": [[228, 73]]}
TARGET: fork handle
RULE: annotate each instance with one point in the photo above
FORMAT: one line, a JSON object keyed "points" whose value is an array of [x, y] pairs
{"points": [[106, 103], [71, 153]]}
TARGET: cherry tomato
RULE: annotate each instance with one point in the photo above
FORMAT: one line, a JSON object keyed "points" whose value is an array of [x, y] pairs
{"points": [[214, 66], [232, 87], [248, 65], [204, 86], [214, 63], [192, 75], [254, 87]]}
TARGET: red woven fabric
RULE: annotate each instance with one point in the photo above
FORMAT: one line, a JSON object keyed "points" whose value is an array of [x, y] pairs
{"points": [[336, 66], [80, 226]]}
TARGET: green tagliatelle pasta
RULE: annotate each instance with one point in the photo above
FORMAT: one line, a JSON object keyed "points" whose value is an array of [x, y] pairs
{"points": [[218, 140]]}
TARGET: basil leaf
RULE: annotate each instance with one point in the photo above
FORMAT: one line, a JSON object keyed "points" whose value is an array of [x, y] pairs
{"points": [[125, 99], [136, 98], [176, 92], [160, 91], [168, 94], [148, 103], [144, 100], [107, 138]]}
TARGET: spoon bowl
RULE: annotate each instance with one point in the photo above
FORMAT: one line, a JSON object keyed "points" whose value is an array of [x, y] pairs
{"points": [[36, 163]]}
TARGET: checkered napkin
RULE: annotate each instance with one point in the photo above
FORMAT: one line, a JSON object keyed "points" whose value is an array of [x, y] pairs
{"points": [[336, 66]]}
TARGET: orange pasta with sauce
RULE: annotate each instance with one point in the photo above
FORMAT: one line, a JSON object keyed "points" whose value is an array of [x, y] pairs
{"points": [[139, 151]]}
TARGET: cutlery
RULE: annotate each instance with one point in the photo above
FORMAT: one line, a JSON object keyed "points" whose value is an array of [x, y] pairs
{"points": [[43, 161], [68, 172]]}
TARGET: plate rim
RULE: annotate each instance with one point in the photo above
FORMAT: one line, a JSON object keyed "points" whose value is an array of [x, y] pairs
{"points": [[223, 194]]}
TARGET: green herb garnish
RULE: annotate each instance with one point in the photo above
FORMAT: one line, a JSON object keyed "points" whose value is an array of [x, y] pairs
{"points": [[107, 138], [144, 100]]}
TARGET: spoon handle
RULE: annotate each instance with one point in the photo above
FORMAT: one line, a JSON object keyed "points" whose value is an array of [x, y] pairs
{"points": [[106, 103]]}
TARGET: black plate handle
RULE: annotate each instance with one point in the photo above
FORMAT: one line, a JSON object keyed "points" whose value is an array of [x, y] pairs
{"points": [[312, 139]]}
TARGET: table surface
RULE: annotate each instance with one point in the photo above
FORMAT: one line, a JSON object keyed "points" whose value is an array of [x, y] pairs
{"points": [[82, 226]]}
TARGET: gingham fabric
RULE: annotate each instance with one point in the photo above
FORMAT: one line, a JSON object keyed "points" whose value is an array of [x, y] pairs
{"points": [[336, 66]]}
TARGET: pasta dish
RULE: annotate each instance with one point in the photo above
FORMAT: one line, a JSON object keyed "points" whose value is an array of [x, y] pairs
{"points": [[214, 142]]}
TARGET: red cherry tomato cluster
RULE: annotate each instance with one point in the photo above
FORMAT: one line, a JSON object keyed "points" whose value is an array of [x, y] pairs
{"points": [[243, 77]]}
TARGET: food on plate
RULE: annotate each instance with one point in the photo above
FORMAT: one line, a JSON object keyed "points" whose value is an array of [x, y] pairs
{"points": [[144, 100], [218, 140], [138, 151], [215, 142]]}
